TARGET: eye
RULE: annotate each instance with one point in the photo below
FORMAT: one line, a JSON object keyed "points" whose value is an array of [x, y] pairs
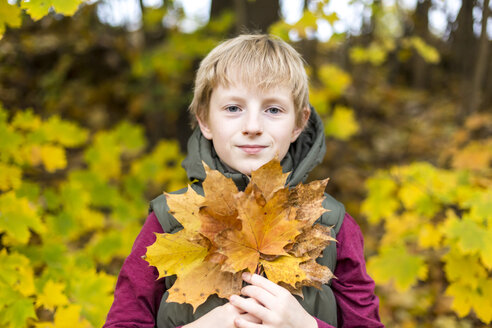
{"points": [[232, 109], [273, 110]]}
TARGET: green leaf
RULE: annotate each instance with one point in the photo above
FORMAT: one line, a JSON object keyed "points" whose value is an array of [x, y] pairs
{"points": [[481, 207], [17, 216], [10, 177], [16, 273], [281, 29], [94, 292], [65, 133], [10, 142], [106, 246], [381, 202], [395, 263], [471, 238], [101, 193], [130, 136], [29, 190], [103, 156], [26, 120], [16, 315], [61, 225], [454, 264]]}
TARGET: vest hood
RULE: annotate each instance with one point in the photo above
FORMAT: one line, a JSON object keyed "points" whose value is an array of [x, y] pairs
{"points": [[303, 155]]}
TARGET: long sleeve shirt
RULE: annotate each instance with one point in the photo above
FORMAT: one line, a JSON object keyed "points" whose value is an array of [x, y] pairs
{"points": [[138, 293]]}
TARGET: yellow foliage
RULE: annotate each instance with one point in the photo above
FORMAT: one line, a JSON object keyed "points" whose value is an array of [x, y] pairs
{"points": [[477, 155], [426, 51], [71, 212], [9, 15], [382, 190], [400, 227], [342, 123], [375, 54], [455, 262], [466, 298], [91, 219], [335, 81], [16, 273], [397, 265], [53, 158], [429, 236], [39, 9], [17, 216], [417, 195], [10, 177], [318, 100], [66, 317], [52, 296], [26, 121]]}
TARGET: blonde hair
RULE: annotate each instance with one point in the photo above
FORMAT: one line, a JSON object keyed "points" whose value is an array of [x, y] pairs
{"points": [[255, 59]]}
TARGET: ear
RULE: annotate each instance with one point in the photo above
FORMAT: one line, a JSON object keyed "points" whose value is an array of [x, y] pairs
{"points": [[306, 112], [207, 133]]}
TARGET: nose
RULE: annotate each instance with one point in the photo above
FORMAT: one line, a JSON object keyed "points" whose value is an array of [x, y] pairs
{"points": [[253, 125]]}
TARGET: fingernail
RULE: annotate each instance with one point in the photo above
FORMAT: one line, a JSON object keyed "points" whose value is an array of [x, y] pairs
{"points": [[233, 298], [246, 275]]}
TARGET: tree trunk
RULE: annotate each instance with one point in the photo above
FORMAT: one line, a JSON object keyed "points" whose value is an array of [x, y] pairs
{"points": [[421, 21], [218, 6], [251, 15], [463, 39], [475, 95]]}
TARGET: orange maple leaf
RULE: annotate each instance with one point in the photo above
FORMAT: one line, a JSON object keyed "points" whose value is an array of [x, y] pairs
{"points": [[265, 228]]}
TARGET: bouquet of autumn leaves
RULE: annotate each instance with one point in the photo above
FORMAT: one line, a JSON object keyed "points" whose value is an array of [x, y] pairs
{"points": [[266, 229]]}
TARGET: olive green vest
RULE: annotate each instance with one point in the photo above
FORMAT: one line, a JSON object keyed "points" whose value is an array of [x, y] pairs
{"points": [[319, 303]]}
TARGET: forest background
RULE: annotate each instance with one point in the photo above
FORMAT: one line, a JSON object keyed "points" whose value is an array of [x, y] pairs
{"points": [[93, 125]]}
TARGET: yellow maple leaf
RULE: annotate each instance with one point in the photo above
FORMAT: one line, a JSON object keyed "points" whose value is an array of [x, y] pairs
{"points": [[429, 236], [67, 317], [265, 228], [177, 253], [53, 157], [52, 295]]}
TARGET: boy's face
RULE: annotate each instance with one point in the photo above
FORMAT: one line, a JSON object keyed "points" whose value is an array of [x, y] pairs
{"points": [[249, 127]]}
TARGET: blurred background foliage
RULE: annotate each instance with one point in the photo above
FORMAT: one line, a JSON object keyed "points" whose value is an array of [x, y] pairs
{"points": [[93, 124]]}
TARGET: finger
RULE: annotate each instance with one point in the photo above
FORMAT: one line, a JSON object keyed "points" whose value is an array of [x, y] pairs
{"points": [[249, 317], [259, 294], [263, 282], [241, 323], [249, 305]]}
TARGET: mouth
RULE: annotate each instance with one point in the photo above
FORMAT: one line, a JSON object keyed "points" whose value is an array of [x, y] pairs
{"points": [[252, 149]]}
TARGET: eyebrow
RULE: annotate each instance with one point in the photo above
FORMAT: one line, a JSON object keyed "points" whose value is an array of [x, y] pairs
{"points": [[233, 97]]}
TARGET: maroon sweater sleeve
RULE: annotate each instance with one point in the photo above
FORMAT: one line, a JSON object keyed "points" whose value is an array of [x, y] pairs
{"points": [[138, 294], [357, 305]]}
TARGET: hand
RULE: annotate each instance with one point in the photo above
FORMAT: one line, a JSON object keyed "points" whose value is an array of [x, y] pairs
{"points": [[222, 316], [275, 306]]}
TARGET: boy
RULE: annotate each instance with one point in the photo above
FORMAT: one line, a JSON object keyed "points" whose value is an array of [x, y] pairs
{"points": [[251, 104]]}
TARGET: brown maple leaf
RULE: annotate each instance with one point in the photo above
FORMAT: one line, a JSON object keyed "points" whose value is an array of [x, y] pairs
{"points": [[266, 228]]}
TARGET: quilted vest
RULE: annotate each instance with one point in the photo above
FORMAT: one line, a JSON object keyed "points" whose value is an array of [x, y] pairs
{"points": [[319, 303]]}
